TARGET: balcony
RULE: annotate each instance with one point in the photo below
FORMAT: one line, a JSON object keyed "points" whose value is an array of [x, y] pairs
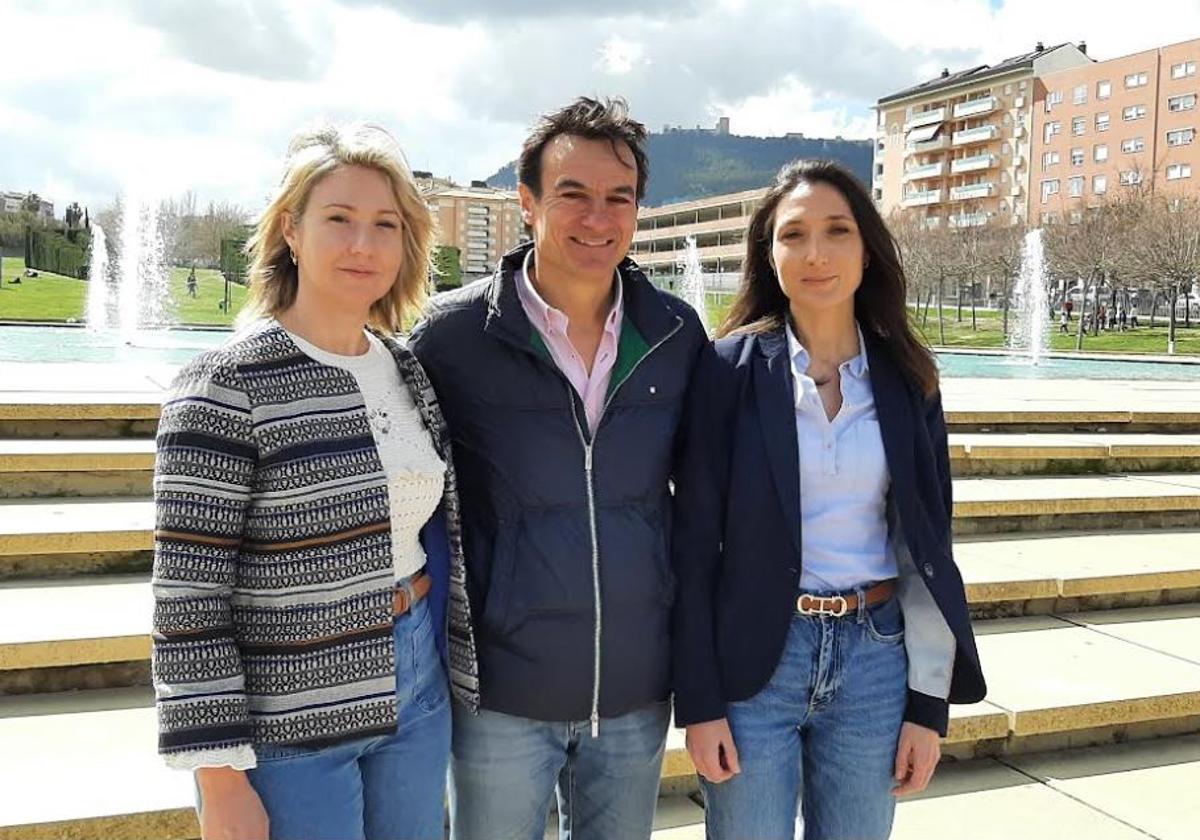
{"points": [[935, 145], [921, 198], [931, 170], [972, 191], [975, 107], [982, 134], [924, 118], [965, 220], [972, 164]]}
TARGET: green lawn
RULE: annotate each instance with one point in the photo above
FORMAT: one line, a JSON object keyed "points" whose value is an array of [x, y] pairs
{"points": [[52, 297]]}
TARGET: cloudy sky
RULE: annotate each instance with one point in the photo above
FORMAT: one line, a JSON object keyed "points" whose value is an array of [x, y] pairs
{"points": [[171, 95]]}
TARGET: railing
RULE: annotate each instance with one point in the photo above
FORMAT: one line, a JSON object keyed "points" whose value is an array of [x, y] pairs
{"points": [[968, 220], [975, 107], [982, 134], [973, 164], [931, 170], [925, 118], [921, 198], [972, 191]]}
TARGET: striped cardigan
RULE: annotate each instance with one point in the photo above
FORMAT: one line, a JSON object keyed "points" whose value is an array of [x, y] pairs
{"points": [[273, 570]]}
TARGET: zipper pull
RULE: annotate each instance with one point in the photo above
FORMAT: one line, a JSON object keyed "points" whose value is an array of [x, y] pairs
{"points": [[595, 724], [587, 458]]}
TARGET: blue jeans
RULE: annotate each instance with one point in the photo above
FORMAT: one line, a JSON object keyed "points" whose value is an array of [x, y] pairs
{"points": [[389, 786], [821, 736], [505, 769]]}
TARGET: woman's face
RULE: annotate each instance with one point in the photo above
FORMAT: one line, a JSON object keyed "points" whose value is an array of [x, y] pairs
{"points": [[816, 248], [348, 244]]}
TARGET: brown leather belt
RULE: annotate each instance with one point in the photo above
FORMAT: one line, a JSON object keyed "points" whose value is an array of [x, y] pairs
{"points": [[837, 606], [404, 597]]}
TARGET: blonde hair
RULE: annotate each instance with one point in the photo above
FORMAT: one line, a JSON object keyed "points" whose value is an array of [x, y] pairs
{"points": [[312, 155]]}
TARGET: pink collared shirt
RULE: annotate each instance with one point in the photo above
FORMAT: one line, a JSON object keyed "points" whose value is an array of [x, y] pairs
{"points": [[551, 325]]}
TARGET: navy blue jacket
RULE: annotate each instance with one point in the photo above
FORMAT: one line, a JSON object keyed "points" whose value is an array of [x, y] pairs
{"points": [[738, 559], [520, 447]]}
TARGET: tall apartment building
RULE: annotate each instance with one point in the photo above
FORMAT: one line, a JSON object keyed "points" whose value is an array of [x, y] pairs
{"points": [[1115, 125], [719, 224], [957, 150], [482, 222], [12, 202]]}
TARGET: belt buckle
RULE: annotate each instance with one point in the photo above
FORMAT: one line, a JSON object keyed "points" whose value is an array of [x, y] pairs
{"points": [[834, 606]]}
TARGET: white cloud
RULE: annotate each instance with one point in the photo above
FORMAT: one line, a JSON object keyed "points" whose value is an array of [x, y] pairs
{"points": [[185, 95]]}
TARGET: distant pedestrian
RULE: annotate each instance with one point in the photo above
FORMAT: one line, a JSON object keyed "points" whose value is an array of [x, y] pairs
{"points": [[1064, 320], [1122, 319], [191, 282], [1133, 316], [1067, 307]]}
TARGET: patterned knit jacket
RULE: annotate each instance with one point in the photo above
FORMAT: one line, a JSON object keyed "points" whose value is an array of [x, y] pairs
{"points": [[273, 553]]}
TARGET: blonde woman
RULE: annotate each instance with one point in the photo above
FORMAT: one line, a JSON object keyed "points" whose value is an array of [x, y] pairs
{"points": [[308, 569]]}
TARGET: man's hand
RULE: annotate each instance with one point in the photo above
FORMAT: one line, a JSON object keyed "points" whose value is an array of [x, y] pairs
{"points": [[229, 807], [712, 750], [916, 758]]}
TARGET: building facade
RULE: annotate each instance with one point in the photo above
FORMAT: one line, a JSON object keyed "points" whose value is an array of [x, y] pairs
{"points": [[12, 202], [1113, 126], [482, 222], [957, 150], [717, 222]]}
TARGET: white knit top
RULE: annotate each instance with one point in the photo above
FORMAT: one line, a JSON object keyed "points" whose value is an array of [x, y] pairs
{"points": [[415, 475]]}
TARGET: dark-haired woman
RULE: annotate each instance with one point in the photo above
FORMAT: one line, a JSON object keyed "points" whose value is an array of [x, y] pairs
{"points": [[821, 626]]}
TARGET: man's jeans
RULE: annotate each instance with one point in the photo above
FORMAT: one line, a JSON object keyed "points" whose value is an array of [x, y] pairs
{"points": [[505, 769], [387, 787], [821, 735]]}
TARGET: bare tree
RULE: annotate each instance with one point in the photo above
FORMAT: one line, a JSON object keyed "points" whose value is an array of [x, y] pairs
{"points": [[1002, 244], [1167, 249]]}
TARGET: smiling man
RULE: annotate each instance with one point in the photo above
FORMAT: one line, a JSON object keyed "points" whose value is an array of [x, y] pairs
{"points": [[563, 380]]}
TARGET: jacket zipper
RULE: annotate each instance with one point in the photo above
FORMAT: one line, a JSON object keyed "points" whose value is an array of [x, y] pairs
{"points": [[588, 445]]}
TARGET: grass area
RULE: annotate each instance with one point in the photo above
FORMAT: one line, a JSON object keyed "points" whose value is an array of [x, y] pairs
{"points": [[989, 331], [52, 297]]}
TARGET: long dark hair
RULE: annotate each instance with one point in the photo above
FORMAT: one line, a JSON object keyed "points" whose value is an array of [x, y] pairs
{"points": [[880, 302]]}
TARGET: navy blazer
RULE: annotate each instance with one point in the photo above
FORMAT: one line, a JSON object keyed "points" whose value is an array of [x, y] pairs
{"points": [[736, 547]]}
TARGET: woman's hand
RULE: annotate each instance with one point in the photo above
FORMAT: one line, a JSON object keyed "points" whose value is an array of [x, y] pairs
{"points": [[917, 757], [229, 807], [712, 750]]}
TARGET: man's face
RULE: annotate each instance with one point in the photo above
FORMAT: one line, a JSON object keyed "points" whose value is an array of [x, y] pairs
{"points": [[585, 218]]}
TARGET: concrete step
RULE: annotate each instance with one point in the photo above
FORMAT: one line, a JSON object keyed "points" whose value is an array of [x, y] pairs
{"points": [[1150, 500], [52, 467], [78, 414], [1000, 454], [1054, 683], [70, 536]]}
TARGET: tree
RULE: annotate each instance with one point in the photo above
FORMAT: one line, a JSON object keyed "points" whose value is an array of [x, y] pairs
{"points": [[1166, 247], [32, 204], [73, 215], [447, 267], [1093, 246]]}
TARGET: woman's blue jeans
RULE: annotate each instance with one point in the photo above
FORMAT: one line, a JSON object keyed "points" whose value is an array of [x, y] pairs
{"points": [[817, 746], [389, 787]]}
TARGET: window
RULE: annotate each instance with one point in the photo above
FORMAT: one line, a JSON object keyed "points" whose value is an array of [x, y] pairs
{"points": [[1100, 153], [1078, 125], [1080, 96], [1179, 170], [1181, 137], [1133, 145], [1134, 112], [1135, 80], [1186, 102], [1052, 128], [1075, 186], [1053, 98], [1130, 177], [1049, 188], [1099, 184], [1183, 69], [1103, 89], [1077, 157], [1008, 90], [1102, 121], [1049, 159]]}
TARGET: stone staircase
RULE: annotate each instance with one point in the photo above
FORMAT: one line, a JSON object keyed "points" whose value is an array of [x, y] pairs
{"points": [[1078, 535]]}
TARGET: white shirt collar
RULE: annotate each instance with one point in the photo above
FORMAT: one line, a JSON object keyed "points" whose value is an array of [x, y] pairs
{"points": [[856, 367]]}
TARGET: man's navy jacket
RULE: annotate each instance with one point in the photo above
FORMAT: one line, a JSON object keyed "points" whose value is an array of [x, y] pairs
{"points": [[568, 567]]}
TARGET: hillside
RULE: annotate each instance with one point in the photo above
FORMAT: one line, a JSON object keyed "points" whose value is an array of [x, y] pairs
{"points": [[686, 164]]}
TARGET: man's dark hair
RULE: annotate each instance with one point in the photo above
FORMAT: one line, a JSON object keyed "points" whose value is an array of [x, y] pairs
{"points": [[593, 120]]}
